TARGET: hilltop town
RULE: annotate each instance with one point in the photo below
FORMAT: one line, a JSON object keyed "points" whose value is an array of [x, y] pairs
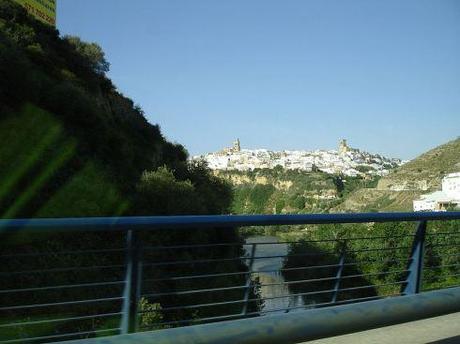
{"points": [[346, 160]]}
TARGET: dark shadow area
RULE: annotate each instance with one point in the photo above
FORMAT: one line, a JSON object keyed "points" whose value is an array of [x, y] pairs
{"points": [[312, 271], [452, 340], [73, 283]]}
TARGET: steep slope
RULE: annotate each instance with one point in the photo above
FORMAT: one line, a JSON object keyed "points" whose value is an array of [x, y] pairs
{"points": [[72, 145], [426, 171], [277, 190], [268, 191], [396, 191]]}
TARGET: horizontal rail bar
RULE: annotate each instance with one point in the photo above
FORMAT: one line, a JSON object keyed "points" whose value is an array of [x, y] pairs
{"points": [[225, 274], [443, 245], [72, 269], [195, 291], [442, 233], [288, 269], [325, 291], [331, 278], [427, 257], [66, 286], [165, 309], [175, 247], [46, 321], [310, 267], [58, 253], [285, 310], [303, 325], [215, 275], [441, 266], [324, 304], [214, 260], [372, 286], [56, 304], [64, 335], [207, 290], [201, 221], [379, 249], [207, 319]]}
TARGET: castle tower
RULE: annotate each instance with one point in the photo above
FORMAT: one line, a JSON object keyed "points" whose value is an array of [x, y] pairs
{"points": [[343, 147], [237, 146]]}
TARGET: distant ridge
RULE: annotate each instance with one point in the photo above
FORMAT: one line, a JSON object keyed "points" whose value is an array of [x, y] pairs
{"points": [[396, 191], [426, 171]]}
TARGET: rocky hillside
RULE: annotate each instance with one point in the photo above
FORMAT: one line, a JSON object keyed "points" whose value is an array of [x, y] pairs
{"points": [[277, 190], [396, 191], [426, 171]]}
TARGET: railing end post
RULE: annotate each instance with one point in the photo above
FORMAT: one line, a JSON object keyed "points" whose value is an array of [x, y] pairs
{"points": [[132, 289], [415, 266]]}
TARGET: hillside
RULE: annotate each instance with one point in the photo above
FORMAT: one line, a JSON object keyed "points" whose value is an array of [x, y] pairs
{"points": [[75, 145], [426, 171], [396, 191], [277, 190], [72, 145]]}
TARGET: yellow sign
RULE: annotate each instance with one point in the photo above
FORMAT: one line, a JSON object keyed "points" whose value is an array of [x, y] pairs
{"points": [[44, 10]]}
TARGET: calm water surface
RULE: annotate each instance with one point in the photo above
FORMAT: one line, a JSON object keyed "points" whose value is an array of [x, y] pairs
{"points": [[277, 297]]}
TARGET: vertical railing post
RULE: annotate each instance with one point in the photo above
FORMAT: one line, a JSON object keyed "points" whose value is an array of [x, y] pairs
{"points": [[338, 276], [132, 285], [248, 281], [415, 265]]}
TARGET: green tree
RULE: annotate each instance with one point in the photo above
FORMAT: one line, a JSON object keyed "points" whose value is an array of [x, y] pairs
{"points": [[95, 56], [159, 192]]}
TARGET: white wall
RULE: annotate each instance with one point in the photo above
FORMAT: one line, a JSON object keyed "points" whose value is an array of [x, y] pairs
{"points": [[451, 185], [422, 205]]}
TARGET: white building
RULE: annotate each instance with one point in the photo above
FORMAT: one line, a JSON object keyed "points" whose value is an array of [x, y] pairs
{"points": [[451, 185], [441, 200], [347, 162]]}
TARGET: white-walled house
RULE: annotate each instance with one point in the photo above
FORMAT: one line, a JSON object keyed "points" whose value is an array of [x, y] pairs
{"points": [[441, 200], [451, 185], [329, 161]]}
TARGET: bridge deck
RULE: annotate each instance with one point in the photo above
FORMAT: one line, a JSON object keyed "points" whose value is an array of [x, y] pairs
{"points": [[443, 329]]}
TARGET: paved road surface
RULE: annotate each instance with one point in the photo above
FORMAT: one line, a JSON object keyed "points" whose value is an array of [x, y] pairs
{"points": [[443, 330]]}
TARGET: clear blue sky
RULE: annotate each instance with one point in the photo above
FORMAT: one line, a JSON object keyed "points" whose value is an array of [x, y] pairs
{"points": [[284, 74]]}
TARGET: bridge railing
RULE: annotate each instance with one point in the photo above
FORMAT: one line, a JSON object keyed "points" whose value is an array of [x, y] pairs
{"points": [[67, 279]]}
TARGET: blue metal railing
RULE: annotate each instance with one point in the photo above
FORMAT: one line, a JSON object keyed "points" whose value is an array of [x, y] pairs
{"points": [[303, 326], [85, 277]]}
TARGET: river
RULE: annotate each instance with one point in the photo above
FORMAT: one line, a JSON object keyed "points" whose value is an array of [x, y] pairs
{"points": [[276, 297]]}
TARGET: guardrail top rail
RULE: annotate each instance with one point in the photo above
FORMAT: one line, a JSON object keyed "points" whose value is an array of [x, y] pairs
{"points": [[193, 221], [77, 278]]}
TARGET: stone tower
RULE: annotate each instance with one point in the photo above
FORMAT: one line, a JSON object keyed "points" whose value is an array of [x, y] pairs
{"points": [[343, 147], [237, 146]]}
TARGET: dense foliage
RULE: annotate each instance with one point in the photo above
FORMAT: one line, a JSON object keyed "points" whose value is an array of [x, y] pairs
{"points": [[378, 255], [62, 108], [281, 191], [321, 285]]}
